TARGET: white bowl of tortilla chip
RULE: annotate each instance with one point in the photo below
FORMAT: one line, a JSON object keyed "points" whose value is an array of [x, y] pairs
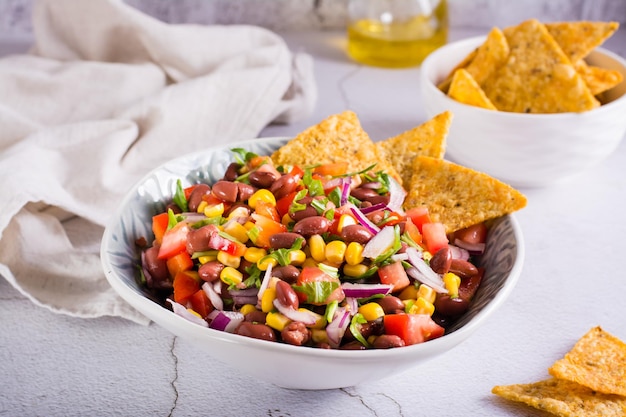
{"points": [[528, 149]]}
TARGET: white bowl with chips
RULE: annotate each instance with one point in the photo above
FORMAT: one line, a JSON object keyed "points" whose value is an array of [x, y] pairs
{"points": [[525, 150], [282, 364]]}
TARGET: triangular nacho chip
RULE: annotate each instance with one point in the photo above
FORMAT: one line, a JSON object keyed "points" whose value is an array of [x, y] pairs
{"points": [[458, 196], [466, 90], [577, 39], [427, 139], [564, 398], [445, 84], [338, 138], [598, 79], [597, 361], [537, 77]]}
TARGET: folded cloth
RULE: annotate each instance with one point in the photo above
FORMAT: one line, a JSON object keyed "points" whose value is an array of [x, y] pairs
{"points": [[105, 95]]}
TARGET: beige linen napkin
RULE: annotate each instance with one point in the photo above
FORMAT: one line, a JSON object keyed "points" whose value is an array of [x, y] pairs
{"points": [[106, 94]]}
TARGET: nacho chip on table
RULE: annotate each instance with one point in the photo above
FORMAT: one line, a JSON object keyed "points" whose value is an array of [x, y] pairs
{"points": [[337, 139], [538, 77], [597, 361], [564, 398], [428, 139], [466, 90], [598, 79], [458, 196], [577, 39]]}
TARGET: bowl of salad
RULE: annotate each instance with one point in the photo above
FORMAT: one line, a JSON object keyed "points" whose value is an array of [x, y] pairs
{"points": [[303, 277]]}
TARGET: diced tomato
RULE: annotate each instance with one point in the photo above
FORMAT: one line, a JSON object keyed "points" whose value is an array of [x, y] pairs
{"points": [[159, 226], [311, 275], [186, 284], [179, 263], [218, 242], [411, 229], [297, 172], [472, 234], [266, 209], [394, 274], [200, 303], [188, 190], [419, 216], [283, 204], [174, 241], [266, 228], [260, 160], [434, 236], [332, 169], [412, 328]]}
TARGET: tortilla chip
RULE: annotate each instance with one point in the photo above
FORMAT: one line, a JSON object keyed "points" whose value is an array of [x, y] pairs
{"points": [[427, 139], [466, 90], [458, 196], [338, 138], [537, 77], [445, 85], [564, 398], [577, 39], [598, 79], [597, 361]]}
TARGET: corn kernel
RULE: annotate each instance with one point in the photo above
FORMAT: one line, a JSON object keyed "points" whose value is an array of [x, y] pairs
{"points": [[249, 225], [335, 251], [286, 219], [230, 275], [228, 259], [320, 321], [427, 256], [371, 311], [207, 258], [202, 206], [239, 212], [276, 320], [267, 300], [297, 257], [345, 220], [354, 253], [309, 262], [427, 293], [265, 262], [354, 270], [452, 283], [247, 309], [253, 254], [237, 230], [422, 306], [214, 210], [319, 336], [262, 195], [409, 293], [317, 246]]}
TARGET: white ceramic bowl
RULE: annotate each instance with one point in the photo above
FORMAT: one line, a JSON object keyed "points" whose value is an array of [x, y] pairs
{"points": [[525, 150], [281, 364]]}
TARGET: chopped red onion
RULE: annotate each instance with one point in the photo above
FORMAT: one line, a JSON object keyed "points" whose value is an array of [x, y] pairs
{"points": [[345, 190], [397, 194], [226, 321], [365, 290], [380, 243], [375, 207], [423, 272], [473, 248], [337, 327], [305, 316], [373, 185], [459, 253], [399, 257], [214, 297], [265, 282], [365, 222], [181, 310]]}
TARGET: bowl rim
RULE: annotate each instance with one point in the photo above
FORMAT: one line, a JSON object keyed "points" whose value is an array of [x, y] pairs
{"points": [[475, 42], [157, 313]]}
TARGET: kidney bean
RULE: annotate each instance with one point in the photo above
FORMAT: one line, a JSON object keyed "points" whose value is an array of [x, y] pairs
{"points": [[256, 316], [364, 194], [210, 271], [256, 331], [286, 295], [226, 190], [472, 234], [356, 233], [449, 306], [284, 185], [245, 191], [232, 172], [288, 273], [441, 260], [155, 266], [285, 240], [463, 269], [390, 304], [174, 207], [198, 239], [195, 198], [296, 333], [468, 286], [262, 179], [315, 225], [387, 341], [309, 211]]}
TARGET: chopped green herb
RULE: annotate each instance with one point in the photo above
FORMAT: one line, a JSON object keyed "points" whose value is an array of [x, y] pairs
{"points": [[179, 197]]}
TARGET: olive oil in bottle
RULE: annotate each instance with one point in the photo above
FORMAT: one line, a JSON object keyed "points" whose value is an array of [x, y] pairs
{"points": [[396, 33]]}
